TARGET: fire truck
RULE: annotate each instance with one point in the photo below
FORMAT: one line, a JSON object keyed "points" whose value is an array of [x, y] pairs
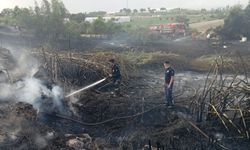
{"points": [[170, 29]]}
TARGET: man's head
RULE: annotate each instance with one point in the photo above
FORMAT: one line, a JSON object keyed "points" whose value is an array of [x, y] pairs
{"points": [[166, 64], [112, 61]]}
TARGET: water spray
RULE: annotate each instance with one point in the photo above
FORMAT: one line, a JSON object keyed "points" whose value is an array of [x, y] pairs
{"points": [[86, 87]]}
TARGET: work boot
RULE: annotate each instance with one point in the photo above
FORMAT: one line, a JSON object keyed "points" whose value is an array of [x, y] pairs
{"points": [[118, 94], [171, 105], [112, 93]]}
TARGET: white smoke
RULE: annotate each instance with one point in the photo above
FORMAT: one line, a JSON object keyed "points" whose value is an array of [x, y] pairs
{"points": [[57, 95], [27, 88]]}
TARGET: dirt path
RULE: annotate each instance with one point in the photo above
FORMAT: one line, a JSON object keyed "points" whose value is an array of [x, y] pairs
{"points": [[204, 26]]}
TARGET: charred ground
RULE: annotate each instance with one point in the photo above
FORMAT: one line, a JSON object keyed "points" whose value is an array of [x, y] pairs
{"points": [[139, 116]]}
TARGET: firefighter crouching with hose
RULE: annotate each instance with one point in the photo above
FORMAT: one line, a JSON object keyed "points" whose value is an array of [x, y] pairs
{"points": [[115, 77]]}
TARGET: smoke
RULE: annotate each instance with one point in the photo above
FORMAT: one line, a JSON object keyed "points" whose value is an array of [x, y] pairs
{"points": [[33, 91], [25, 64], [26, 87], [19, 83], [40, 141], [57, 95]]}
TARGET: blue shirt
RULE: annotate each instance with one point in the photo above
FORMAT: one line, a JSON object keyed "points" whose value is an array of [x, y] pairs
{"points": [[168, 74], [116, 74]]}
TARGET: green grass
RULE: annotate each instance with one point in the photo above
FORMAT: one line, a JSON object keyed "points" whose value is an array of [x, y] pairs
{"points": [[146, 22], [201, 63]]}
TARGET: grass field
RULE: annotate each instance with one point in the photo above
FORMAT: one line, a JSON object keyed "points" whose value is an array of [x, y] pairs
{"points": [[205, 25], [146, 21]]}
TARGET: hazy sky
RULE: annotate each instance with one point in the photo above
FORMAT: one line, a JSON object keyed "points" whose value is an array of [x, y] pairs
{"points": [[115, 5]]}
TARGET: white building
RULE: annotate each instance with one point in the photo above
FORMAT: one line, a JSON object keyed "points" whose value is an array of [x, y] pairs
{"points": [[117, 19]]}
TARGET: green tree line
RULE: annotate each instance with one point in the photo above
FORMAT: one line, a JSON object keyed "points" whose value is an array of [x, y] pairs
{"points": [[51, 20], [237, 23]]}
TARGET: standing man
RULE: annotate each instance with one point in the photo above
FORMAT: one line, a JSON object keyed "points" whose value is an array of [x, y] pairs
{"points": [[115, 76], [169, 83]]}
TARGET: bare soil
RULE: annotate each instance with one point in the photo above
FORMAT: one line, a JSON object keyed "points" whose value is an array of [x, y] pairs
{"points": [[132, 121]]}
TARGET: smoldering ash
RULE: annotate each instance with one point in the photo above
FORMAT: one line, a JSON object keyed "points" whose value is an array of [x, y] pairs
{"points": [[27, 88]]}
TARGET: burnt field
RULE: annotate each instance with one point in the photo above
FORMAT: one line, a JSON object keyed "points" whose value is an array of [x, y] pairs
{"points": [[211, 95]]}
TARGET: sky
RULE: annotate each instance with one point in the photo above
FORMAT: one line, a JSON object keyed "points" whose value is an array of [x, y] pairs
{"points": [[75, 6]]}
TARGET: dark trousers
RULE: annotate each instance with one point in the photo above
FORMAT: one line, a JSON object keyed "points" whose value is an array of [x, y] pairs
{"points": [[169, 95], [114, 85]]}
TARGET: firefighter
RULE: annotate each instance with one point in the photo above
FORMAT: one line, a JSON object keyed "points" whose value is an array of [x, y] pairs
{"points": [[115, 76], [169, 83]]}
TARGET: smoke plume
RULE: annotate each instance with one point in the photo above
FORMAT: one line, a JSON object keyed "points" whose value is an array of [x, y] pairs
{"points": [[24, 86]]}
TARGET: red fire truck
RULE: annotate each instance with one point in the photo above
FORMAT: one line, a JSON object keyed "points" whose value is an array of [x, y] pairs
{"points": [[172, 29]]}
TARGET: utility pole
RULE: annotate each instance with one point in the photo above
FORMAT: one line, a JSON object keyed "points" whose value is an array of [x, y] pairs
{"points": [[127, 7]]}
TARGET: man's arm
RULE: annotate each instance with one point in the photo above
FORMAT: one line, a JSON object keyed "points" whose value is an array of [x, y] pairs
{"points": [[171, 81], [115, 71], [112, 72], [172, 73]]}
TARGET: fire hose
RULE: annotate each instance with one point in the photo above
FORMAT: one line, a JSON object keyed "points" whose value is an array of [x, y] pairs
{"points": [[105, 121], [86, 87]]}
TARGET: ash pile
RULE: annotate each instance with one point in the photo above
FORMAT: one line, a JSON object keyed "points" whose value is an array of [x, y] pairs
{"points": [[27, 92], [21, 130], [21, 80]]}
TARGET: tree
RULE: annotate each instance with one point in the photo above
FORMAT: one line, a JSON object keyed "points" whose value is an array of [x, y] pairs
{"points": [[247, 9], [55, 22], [142, 10], [46, 8], [163, 9], [236, 24], [203, 10], [23, 17], [73, 29], [58, 9], [176, 10], [85, 27], [125, 10], [16, 11], [112, 27], [99, 26], [152, 11], [135, 11], [182, 19], [149, 9], [37, 9], [7, 12], [50, 21], [79, 18], [128, 11], [97, 14]]}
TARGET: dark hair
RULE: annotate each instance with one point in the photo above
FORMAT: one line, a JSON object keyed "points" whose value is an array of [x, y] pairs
{"points": [[112, 60], [167, 62]]}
